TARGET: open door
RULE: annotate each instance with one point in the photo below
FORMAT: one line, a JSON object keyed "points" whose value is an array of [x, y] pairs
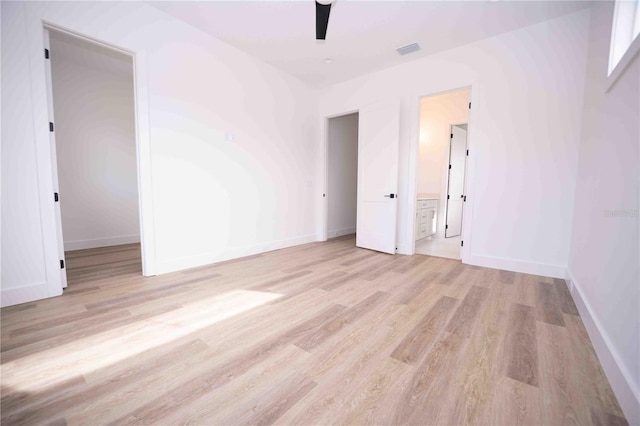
{"points": [[378, 140], [54, 160], [455, 188]]}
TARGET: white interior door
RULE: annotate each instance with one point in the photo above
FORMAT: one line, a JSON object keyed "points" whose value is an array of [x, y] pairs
{"points": [[455, 188], [54, 159], [378, 139]]}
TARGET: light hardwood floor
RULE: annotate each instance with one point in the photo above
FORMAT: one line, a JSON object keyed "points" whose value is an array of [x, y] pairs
{"points": [[324, 333]]}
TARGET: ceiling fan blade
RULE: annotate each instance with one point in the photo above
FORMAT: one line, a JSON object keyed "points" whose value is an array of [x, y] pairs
{"points": [[322, 20]]}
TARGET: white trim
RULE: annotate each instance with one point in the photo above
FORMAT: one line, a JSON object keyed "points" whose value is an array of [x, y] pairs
{"points": [[405, 249], [517, 265], [143, 147], [182, 263], [15, 296], [40, 110], [52, 26], [614, 36], [323, 217], [101, 242], [623, 63], [618, 375], [54, 156], [470, 172], [340, 232]]}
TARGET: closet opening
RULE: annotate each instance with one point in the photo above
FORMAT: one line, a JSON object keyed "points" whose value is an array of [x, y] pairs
{"points": [[95, 165], [342, 176]]}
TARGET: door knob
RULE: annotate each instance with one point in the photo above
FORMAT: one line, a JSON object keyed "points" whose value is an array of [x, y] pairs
{"points": [[390, 196]]}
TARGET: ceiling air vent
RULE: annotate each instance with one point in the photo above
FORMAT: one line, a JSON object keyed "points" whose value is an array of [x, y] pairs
{"points": [[409, 48]]}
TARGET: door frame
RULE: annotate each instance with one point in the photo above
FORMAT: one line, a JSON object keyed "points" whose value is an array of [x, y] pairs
{"points": [[142, 141], [54, 160], [414, 158], [323, 230], [446, 211]]}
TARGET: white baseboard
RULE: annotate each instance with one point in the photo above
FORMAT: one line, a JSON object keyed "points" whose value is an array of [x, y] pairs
{"points": [[534, 268], [101, 242], [340, 232], [620, 379], [405, 249], [163, 267], [15, 296]]}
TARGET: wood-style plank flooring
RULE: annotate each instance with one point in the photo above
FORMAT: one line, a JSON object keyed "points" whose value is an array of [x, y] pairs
{"points": [[323, 333]]}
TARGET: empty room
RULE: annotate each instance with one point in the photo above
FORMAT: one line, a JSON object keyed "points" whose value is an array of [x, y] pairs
{"points": [[309, 213]]}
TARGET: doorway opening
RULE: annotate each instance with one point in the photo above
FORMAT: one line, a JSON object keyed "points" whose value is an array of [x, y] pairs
{"points": [[441, 182], [94, 155], [371, 174], [342, 176]]}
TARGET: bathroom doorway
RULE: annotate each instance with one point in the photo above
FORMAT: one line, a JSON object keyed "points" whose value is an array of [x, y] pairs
{"points": [[442, 162]]}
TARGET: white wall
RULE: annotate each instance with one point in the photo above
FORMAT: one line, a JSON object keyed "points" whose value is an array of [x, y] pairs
{"points": [[605, 255], [212, 198], [437, 114], [96, 148], [527, 90], [342, 174]]}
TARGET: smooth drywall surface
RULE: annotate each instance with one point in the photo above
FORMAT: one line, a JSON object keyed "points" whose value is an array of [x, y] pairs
{"points": [[232, 142], [95, 144], [437, 114], [343, 174], [605, 254], [527, 93]]}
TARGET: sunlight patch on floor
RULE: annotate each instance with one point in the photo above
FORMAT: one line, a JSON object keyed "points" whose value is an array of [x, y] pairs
{"points": [[46, 368]]}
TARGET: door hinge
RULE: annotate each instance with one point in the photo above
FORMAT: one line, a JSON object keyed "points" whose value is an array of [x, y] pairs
{"points": [[56, 198], [446, 227], [464, 198], [449, 166], [324, 195], [447, 197], [451, 135], [61, 263], [46, 53], [469, 105], [467, 153], [461, 243], [50, 126]]}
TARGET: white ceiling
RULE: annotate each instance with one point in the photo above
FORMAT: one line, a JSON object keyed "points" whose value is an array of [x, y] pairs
{"points": [[362, 35]]}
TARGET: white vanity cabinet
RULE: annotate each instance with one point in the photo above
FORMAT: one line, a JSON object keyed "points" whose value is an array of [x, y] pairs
{"points": [[426, 213]]}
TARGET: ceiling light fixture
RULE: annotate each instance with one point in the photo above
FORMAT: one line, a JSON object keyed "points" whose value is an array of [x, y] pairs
{"points": [[327, 60]]}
